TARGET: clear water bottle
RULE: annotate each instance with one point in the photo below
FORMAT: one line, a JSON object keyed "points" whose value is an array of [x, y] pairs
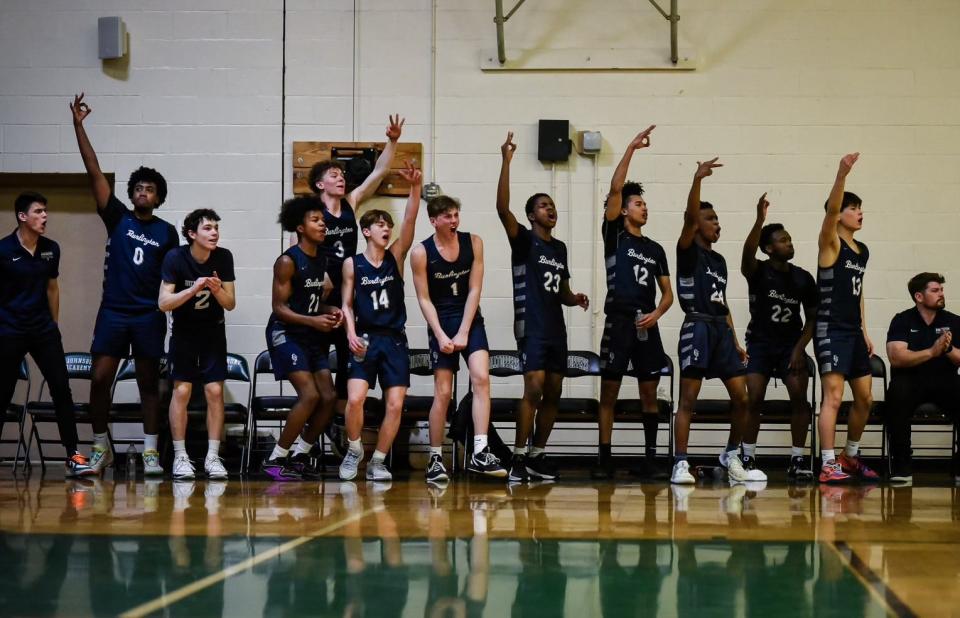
{"points": [[358, 358], [642, 334], [131, 462]]}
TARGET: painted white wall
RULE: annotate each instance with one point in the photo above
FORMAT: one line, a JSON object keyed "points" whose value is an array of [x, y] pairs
{"points": [[781, 91]]}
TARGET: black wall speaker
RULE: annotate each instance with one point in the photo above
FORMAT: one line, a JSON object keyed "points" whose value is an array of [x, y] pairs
{"points": [[554, 141]]}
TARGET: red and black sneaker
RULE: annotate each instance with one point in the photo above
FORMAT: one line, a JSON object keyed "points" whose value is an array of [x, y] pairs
{"points": [[854, 466], [831, 472]]}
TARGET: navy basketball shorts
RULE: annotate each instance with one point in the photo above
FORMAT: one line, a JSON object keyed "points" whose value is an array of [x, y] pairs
{"points": [[841, 350], [337, 339], [387, 360], [539, 354], [294, 352], [199, 355], [117, 332], [621, 352], [476, 340], [707, 350], [770, 358]]}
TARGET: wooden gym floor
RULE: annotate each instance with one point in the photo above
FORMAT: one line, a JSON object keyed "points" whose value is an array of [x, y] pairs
{"points": [[573, 548]]}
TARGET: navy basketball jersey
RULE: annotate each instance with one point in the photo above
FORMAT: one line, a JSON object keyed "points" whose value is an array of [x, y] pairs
{"points": [[840, 286], [776, 299], [702, 281], [134, 255], [339, 244], [181, 269], [447, 281], [633, 265], [378, 294], [306, 288], [539, 266]]}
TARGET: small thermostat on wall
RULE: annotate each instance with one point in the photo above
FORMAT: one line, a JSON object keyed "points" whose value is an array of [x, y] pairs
{"points": [[589, 142]]}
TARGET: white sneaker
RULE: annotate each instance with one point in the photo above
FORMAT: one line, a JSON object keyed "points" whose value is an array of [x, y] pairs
{"points": [[377, 471], [101, 458], [183, 467], [151, 463], [213, 466], [737, 472], [681, 474], [348, 467]]}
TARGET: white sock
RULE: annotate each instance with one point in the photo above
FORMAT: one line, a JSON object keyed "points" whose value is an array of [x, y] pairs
{"points": [[179, 446], [301, 446], [796, 451], [728, 455], [355, 446], [378, 457], [479, 443], [852, 448], [100, 440], [749, 450], [213, 448], [279, 452], [537, 451], [519, 450], [828, 456], [150, 441], [436, 450]]}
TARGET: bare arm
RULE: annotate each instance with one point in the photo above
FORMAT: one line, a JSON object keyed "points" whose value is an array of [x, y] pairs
{"points": [[507, 219], [829, 241], [349, 320], [615, 197], [691, 216], [53, 298], [402, 244], [98, 182], [226, 294], [666, 301], [736, 342], [573, 299], [418, 264], [902, 358], [863, 322], [798, 360], [170, 300], [748, 261], [369, 186], [473, 294]]}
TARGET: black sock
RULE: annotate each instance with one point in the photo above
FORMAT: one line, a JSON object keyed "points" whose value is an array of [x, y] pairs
{"points": [[650, 426], [605, 451]]}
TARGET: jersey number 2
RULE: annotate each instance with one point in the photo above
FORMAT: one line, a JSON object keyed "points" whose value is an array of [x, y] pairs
{"points": [[203, 300], [781, 314], [641, 274]]}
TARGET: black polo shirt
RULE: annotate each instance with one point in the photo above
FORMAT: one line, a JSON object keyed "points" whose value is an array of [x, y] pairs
{"points": [[24, 309], [909, 326]]}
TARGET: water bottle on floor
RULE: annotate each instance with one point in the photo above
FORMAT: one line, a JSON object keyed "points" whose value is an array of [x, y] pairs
{"points": [[131, 462]]}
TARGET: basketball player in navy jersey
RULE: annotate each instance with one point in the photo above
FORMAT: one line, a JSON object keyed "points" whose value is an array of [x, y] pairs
{"points": [[636, 266], [841, 342], [374, 315], [300, 315], [198, 285], [777, 334], [541, 287], [328, 182], [708, 344], [129, 320], [29, 309], [448, 275]]}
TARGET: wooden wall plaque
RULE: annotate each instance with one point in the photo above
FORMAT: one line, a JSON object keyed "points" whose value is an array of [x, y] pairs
{"points": [[306, 154]]}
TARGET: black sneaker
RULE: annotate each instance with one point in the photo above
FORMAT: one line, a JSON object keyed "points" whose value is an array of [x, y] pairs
{"points": [[604, 468], [303, 464], [279, 469], [749, 463], [539, 467], [436, 473], [518, 470], [486, 463], [799, 469], [901, 470]]}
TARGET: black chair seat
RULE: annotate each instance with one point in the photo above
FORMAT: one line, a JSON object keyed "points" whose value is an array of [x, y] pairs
{"points": [[578, 410], [503, 409], [875, 417], [417, 408], [712, 411], [12, 414], [44, 411], [631, 410], [932, 414], [232, 413], [126, 412]]}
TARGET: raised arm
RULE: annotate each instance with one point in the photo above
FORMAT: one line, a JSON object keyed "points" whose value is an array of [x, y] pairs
{"points": [[507, 219], [615, 197], [473, 294], [402, 244], [691, 216], [369, 186], [418, 264], [748, 261], [98, 182], [829, 241]]}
